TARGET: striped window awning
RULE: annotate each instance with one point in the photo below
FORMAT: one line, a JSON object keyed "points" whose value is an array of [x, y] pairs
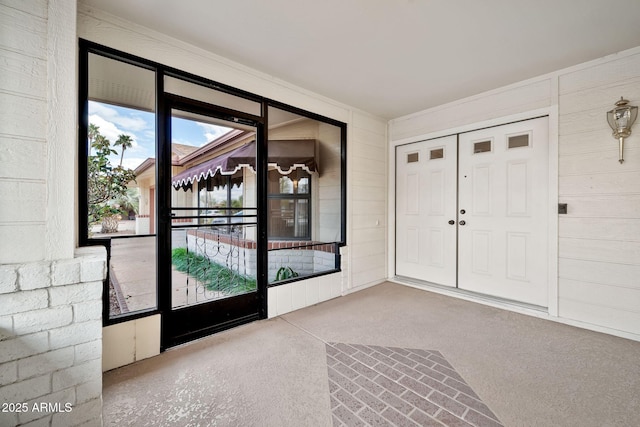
{"points": [[285, 155]]}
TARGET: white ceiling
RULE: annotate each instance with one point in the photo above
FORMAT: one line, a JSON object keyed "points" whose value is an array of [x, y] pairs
{"points": [[395, 57]]}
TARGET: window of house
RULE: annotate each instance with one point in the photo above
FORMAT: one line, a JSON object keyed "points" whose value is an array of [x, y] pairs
{"points": [[289, 205], [215, 196]]}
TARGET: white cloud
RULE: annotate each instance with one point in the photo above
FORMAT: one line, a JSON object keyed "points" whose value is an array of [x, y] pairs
{"points": [[110, 131], [212, 132], [129, 123], [132, 162]]}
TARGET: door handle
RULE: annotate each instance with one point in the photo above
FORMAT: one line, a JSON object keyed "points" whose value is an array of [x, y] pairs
{"points": [[451, 222], [462, 222]]}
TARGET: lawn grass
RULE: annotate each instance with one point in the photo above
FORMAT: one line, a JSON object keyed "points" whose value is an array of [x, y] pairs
{"points": [[215, 277]]}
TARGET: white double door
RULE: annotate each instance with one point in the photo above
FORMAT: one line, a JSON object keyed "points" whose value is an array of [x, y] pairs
{"points": [[472, 211]]}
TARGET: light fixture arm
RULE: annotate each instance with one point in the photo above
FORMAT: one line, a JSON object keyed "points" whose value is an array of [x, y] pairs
{"points": [[621, 149]]}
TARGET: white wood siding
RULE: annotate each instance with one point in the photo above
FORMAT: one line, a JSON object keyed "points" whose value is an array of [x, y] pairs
{"points": [[23, 130], [367, 199], [599, 239], [491, 105]]}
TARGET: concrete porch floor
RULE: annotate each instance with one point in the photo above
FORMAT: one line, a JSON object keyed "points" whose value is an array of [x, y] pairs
{"points": [[294, 370]]}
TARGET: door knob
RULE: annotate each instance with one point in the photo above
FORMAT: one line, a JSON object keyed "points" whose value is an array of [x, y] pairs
{"points": [[462, 211], [451, 222], [462, 222]]}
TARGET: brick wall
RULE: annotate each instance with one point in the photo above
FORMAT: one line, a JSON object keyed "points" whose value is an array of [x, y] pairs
{"points": [[51, 341]]}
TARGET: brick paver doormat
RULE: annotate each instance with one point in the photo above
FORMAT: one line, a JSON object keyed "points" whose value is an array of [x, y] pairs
{"points": [[390, 386]]}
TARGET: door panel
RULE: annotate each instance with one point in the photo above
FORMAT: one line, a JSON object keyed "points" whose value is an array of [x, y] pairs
{"points": [[213, 281], [503, 190], [426, 202]]}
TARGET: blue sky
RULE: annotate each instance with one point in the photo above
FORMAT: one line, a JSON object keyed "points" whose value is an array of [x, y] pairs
{"points": [[140, 126]]}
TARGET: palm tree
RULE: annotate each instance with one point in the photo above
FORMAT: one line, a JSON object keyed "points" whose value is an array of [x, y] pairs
{"points": [[126, 142], [94, 131]]}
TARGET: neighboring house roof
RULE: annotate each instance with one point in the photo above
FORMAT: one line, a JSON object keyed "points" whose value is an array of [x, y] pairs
{"points": [[179, 151], [231, 151], [149, 163]]}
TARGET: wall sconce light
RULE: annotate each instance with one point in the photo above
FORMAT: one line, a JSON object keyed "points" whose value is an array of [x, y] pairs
{"points": [[620, 119]]}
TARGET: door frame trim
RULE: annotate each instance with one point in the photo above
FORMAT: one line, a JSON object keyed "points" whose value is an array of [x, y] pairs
{"points": [[552, 218], [170, 333]]}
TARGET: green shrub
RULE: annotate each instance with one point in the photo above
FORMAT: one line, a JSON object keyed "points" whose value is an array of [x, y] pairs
{"points": [[215, 277], [285, 273]]}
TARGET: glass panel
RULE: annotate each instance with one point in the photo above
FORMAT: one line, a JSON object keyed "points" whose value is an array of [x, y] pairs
{"points": [[438, 153], [289, 218], [211, 96], [214, 211], [303, 185], [413, 157], [302, 243], [132, 267], [519, 141], [121, 178], [481, 147], [297, 182]]}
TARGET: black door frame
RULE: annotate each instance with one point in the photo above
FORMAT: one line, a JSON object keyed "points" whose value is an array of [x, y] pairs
{"points": [[188, 323], [163, 157]]}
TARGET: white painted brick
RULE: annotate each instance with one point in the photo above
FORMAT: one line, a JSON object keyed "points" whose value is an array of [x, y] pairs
{"points": [[93, 270], [89, 391], [96, 252], [88, 351], [66, 272], [24, 346], [8, 279], [45, 363], [40, 412], [34, 275], [78, 374], [90, 310], [6, 327], [76, 333], [19, 302], [8, 373], [71, 294], [42, 320], [27, 390], [83, 413]]}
